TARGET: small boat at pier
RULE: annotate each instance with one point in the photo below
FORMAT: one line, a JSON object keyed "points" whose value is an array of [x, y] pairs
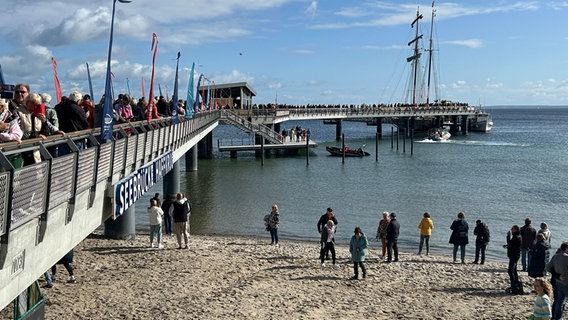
{"points": [[438, 134], [338, 152]]}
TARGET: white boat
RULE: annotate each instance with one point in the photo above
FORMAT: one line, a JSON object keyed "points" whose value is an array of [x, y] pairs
{"points": [[438, 134]]}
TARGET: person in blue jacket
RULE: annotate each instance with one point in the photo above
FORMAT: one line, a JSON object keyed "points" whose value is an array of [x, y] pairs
{"points": [[358, 249]]}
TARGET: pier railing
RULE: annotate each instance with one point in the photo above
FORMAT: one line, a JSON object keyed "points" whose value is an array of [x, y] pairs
{"points": [[247, 126], [46, 208]]}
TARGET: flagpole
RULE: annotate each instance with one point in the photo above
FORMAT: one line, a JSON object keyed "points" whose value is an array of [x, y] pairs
{"points": [[90, 83], [108, 119]]}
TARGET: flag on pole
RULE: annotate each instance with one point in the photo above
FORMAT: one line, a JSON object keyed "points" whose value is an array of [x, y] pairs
{"points": [[175, 118], [90, 83], [56, 80], [108, 118], [143, 93], [198, 97], [151, 106], [2, 82], [190, 101]]}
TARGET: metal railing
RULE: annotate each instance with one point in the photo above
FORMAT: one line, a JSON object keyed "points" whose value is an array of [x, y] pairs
{"points": [[29, 192]]}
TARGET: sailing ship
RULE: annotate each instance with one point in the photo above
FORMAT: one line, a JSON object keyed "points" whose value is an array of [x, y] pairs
{"points": [[420, 90]]}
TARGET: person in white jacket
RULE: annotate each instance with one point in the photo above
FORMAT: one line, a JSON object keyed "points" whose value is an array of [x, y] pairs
{"points": [[155, 215]]}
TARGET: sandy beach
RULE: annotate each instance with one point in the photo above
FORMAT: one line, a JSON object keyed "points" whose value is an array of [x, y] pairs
{"points": [[230, 277]]}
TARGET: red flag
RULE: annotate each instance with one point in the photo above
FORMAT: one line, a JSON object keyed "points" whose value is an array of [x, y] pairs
{"points": [[151, 106], [56, 80]]}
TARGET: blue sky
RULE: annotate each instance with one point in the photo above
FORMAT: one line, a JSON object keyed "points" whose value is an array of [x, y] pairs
{"points": [[302, 51]]}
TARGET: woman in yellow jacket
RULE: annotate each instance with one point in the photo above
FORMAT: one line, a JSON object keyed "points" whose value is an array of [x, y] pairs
{"points": [[425, 227]]}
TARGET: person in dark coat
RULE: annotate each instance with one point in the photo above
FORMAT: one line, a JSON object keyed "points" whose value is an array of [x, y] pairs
{"points": [[540, 255], [481, 232], [393, 230], [513, 246], [459, 237], [66, 261]]}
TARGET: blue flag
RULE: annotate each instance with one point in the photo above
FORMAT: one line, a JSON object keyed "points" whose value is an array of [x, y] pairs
{"points": [[1, 77], [90, 83], [175, 118], [190, 101]]}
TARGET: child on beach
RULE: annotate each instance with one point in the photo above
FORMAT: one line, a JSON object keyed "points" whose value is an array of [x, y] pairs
{"points": [[542, 305], [155, 215], [358, 248], [327, 242]]}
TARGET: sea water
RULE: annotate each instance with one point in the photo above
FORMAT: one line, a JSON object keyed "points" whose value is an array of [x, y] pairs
{"points": [[515, 172]]}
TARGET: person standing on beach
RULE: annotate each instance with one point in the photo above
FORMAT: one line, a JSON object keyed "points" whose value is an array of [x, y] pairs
{"points": [[166, 205], [327, 242], [558, 267], [544, 230], [513, 246], [273, 222], [425, 227], [358, 249], [382, 233], [542, 307], [155, 215], [528, 236], [540, 254], [459, 237], [322, 222], [481, 232], [180, 210], [393, 230]]}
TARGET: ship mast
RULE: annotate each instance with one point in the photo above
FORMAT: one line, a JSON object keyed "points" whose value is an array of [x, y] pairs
{"points": [[416, 57], [430, 56]]}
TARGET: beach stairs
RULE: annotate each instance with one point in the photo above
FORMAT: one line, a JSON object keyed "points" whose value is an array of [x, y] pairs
{"points": [[229, 117]]}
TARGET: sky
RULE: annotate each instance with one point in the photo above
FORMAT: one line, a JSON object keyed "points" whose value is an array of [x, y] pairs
{"points": [[298, 52]]}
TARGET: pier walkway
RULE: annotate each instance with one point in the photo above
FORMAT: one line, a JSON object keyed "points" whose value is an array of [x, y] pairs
{"points": [[47, 208]]}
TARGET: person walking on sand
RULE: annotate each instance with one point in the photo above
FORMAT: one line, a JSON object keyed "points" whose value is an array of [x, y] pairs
{"points": [[459, 236], [322, 222], [393, 230], [358, 249], [528, 236], [327, 242], [426, 225], [513, 253], [180, 210], [155, 215], [542, 307], [273, 222], [382, 233], [481, 232], [66, 261]]}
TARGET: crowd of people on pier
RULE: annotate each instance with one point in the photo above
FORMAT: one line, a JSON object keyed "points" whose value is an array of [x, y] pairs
{"points": [[524, 243], [29, 115], [295, 134]]}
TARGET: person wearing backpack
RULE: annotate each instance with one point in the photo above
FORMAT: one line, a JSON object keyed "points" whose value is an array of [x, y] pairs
{"points": [[481, 232]]}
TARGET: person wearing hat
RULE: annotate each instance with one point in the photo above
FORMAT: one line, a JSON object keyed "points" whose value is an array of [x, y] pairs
{"points": [[322, 222], [392, 238]]}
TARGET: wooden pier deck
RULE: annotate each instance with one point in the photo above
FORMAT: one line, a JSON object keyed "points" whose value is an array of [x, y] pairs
{"points": [[272, 146]]}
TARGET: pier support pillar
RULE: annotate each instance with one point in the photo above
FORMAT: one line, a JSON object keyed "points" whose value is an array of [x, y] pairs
{"points": [[379, 129], [170, 183], [465, 125], [205, 147], [191, 159], [338, 129], [124, 227]]}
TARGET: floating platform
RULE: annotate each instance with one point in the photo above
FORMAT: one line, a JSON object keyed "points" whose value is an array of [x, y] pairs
{"points": [[279, 146]]}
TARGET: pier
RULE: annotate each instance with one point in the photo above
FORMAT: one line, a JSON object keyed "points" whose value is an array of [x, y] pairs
{"points": [[47, 208]]}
